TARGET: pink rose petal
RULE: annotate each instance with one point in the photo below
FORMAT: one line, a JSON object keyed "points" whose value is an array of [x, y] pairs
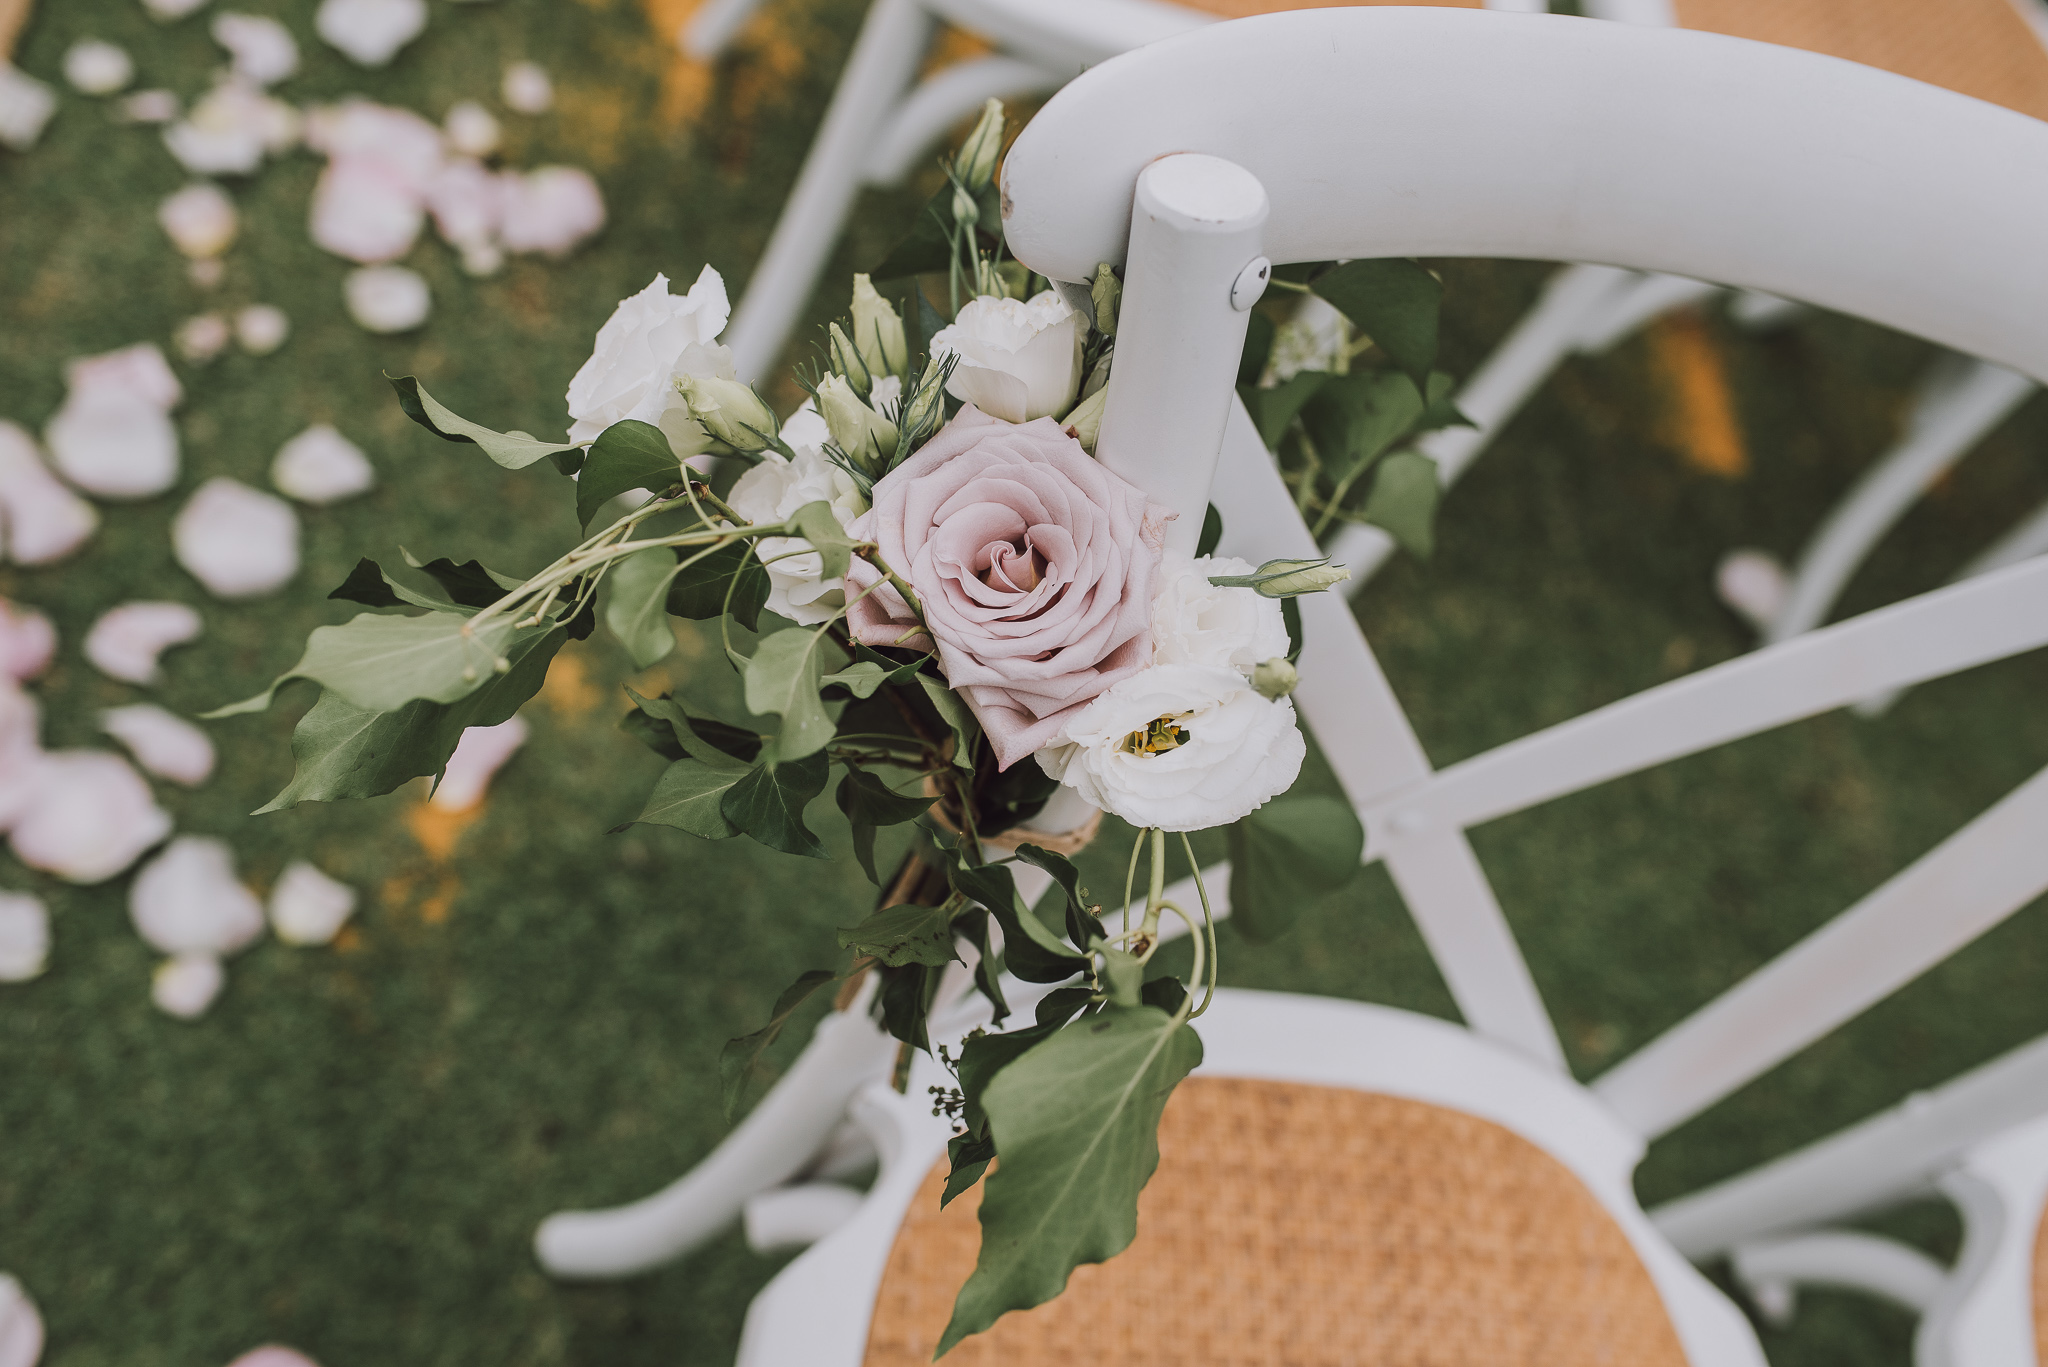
{"points": [[40, 519], [187, 900], [87, 816], [125, 642], [27, 641], [21, 1328], [162, 742]]}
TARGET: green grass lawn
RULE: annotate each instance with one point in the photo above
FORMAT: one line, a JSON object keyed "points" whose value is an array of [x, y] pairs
{"points": [[349, 1153]]}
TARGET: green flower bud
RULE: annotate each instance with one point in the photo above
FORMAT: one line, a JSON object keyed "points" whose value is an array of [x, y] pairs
{"points": [[1285, 578], [1108, 293], [965, 212], [1275, 678], [1084, 424], [859, 431], [976, 160], [924, 404], [729, 411], [878, 331], [847, 363]]}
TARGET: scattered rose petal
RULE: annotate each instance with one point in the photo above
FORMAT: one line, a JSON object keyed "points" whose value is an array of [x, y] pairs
{"points": [[113, 444], [321, 466], [273, 1355], [307, 907], [263, 50], [21, 1328], [97, 68], [370, 32], [365, 211], [89, 816], [199, 339], [231, 129], [468, 202], [151, 106], [550, 210], [162, 742], [238, 541], [387, 298], [40, 519], [527, 89], [471, 129], [187, 900], [1754, 584], [138, 370], [400, 139], [125, 642], [186, 984], [26, 104], [262, 328], [27, 641], [172, 9], [482, 751], [24, 951], [200, 220]]}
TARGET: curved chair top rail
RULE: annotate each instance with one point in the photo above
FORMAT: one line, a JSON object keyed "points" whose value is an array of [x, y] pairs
{"points": [[1447, 132]]}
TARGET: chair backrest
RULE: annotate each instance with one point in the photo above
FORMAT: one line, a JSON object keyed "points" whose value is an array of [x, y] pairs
{"points": [[1346, 133]]}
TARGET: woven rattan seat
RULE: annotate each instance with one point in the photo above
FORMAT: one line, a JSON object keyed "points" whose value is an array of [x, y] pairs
{"points": [[1301, 1225]]}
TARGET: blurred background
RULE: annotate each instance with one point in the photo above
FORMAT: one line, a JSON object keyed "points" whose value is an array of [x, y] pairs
{"points": [[349, 1150]]}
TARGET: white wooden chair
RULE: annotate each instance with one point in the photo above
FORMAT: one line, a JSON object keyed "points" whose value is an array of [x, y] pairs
{"points": [[1790, 186]]}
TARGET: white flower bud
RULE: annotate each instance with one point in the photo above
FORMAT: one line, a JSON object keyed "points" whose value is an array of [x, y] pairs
{"points": [[1275, 678], [857, 429], [878, 331], [976, 161], [729, 410]]}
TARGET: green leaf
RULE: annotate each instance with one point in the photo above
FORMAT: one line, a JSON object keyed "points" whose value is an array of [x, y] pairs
{"points": [[1403, 502], [905, 934], [970, 1158], [871, 670], [1165, 993], [1394, 301], [1030, 950], [1441, 411], [379, 663], [1058, 1006], [768, 803], [1354, 419], [870, 803], [695, 735], [637, 610], [471, 584], [367, 584], [513, 450], [818, 526], [690, 793], [984, 1056], [952, 710], [344, 751], [906, 1002], [1286, 853], [627, 455], [1076, 1120], [1290, 616], [925, 248], [1082, 926], [1273, 409], [700, 588], [739, 1063], [783, 678], [1123, 975], [1212, 532]]}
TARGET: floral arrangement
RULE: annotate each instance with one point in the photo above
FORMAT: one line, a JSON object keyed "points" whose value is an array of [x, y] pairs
{"points": [[929, 584]]}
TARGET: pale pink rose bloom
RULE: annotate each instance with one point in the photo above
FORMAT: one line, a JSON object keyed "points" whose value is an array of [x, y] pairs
{"points": [[1035, 565]]}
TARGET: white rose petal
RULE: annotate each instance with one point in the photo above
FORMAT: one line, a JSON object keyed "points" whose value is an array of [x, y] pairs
{"points": [[115, 442], [370, 32], [1196, 623], [151, 106], [263, 50], [321, 466], [139, 371], [21, 1328], [262, 328], [479, 755], [1240, 749], [468, 203], [365, 210], [24, 952], [125, 642], [172, 9], [27, 641], [98, 68], [1018, 360], [88, 816], [775, 488], [26, 104], [527, 89], [201, 338], [471, 129], [387, 298], [549, 210], [40, 519], [231, 129], [405, 142], [200, 220], [651, 339], [184, 985], [273, 1355], [162, 742], [187, 900], [238, 541], [307, 907]]}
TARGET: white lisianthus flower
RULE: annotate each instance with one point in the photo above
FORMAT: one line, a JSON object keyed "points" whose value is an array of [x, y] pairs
{"points": [[650, 341], [1196, 623], [1180, 747], [777, 487], [1018, 360]]}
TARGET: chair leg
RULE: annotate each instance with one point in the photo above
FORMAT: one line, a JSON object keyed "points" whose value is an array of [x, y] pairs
{"points": [[1961, 401], [885, 57], [1772, 1270]]}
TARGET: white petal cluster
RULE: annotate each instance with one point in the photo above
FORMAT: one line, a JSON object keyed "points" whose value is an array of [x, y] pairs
{"points": [[471, 129], [151, 106], [1018, 360], [200, 220], [263, 50], [231, 129], [125, 642], [21, 1328], [307, 907], [113, 435], [478, 756], [162, 742], [98, 68], [387, 298], [777, 487], [26, 104], [1238, 749], [370, 32], [24, 953], [40, 519], [549, 210], [651, 339], [237, 541], [321, 466], [1196, 623], [262, 328]]}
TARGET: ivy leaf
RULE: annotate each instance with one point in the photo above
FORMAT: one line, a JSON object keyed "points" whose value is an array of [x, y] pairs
{"points": [[697, 735], [627, 455], [1082, 926], [1273, 409], [971, 925], [782, 679], [470, 583], [1291, 850], [982, 1057], [690, 795], [637, 611], [369, 585], [1405, 493], [739, 1063], [1441, 412], [952, 710], [904, 934], [769, 799], [379, 663], [1290, 617], [860, 679], [700, 589], [657, 736], [1076, 1120], [1165, 993], [513, 450], [970, 1158], [870, 803], [1212, 533], [1058, 1006], [1030, 951], [1354, 419], [1123, 975], [817, 525], [1394, 301]]}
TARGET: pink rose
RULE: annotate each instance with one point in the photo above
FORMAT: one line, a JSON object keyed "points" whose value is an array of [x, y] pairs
{"points": [[1035, 566]]}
